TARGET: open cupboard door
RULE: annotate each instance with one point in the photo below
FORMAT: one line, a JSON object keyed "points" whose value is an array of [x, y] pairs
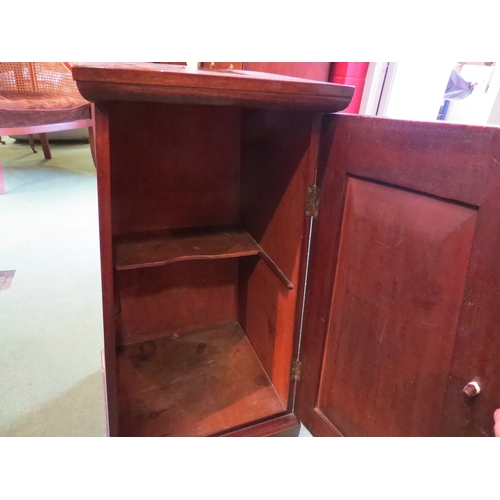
{"points": [[401, 334], [204, 228]]}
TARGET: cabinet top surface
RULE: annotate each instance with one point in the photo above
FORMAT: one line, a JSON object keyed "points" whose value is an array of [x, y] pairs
{"points": [[180, 84]]}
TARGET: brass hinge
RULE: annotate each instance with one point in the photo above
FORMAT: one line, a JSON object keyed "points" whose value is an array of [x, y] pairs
{"points": [[312, 201], [296, 370]]}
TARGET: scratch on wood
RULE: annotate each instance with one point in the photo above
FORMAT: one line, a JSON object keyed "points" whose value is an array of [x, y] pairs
{"points": [[376, 241], [383, 331], [495, 160], [400, 240]]}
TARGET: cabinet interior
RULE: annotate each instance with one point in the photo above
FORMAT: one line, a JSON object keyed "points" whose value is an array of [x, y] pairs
{"points": [[207, 208]]}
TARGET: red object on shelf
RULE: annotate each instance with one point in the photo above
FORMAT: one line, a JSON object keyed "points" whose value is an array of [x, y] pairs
{"points": [[351, 73]]}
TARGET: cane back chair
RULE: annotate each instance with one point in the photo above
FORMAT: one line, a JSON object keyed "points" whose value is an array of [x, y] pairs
{"points": [[40, 97]]}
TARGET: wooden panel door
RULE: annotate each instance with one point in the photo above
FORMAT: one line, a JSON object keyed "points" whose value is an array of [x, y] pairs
{"points": [[403, 296]]}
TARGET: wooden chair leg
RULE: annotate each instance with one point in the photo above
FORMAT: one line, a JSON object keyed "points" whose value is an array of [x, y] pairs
{"points": [[32, 142], [45, 146], [2, 185]]}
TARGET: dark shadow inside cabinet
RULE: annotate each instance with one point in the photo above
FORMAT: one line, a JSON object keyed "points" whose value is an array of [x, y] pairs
{"points": [[207, 208]]}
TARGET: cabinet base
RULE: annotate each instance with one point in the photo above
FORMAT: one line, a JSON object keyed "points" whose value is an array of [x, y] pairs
{"points": [[192, 384]]}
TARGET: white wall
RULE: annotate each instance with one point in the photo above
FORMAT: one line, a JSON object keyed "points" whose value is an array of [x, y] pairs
{"points": [[494, 118], [418, 89]]}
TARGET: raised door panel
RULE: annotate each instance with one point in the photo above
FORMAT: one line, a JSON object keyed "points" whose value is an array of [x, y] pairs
{"points": [[401, 311]]}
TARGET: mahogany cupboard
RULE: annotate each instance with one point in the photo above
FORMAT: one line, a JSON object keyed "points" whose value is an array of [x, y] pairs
{"points": [[266, 261]]}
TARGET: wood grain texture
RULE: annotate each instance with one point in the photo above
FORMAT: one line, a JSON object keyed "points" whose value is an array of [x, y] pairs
{"points": [[276, 167], [478, 335], [173, 166], [149, 82], [55, 127], [310, 70], [194, 385], [398, 325], [454, 169], [183, 150], [284, 426], [182, 297], [152, 249], [305, 250], [106, 249], [162, 247]]}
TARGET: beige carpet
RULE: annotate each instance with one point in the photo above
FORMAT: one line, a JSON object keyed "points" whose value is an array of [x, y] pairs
{"points": [[50, 317]]}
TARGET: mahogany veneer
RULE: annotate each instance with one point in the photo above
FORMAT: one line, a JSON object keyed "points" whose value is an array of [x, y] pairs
{"points": [[147, 82], [174, 245], [192, 385], [163, 247], [265, 261], [202, 219]]}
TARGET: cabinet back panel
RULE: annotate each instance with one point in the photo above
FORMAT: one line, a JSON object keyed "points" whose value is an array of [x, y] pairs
{"points": [[180, 297], [173, 166], [277, 161]]}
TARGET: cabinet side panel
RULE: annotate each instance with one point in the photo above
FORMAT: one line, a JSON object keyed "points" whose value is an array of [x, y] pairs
{"points": [[105, 236], [276, 168], [173, 166]]}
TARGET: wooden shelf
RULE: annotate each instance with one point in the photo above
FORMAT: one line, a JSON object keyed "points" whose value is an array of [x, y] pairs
{"points": [[192, 384], [164, 247]]}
